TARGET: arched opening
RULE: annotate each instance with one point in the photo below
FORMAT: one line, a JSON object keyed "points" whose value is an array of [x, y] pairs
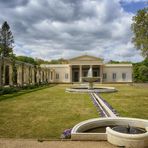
{"points": [[15, 75], [7, 75]]}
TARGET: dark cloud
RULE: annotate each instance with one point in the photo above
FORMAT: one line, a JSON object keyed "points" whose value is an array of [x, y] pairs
{"points": [[13, 3]]}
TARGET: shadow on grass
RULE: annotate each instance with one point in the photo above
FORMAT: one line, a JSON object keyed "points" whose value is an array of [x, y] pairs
{"points": [[22, 92]]}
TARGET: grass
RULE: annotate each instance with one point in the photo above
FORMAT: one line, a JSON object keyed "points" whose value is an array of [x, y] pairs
{"points": [[129, 101], [43, 113], [47, 112]]}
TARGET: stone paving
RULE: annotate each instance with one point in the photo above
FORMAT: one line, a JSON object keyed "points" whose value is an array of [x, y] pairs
{"points": [[27, 143]]}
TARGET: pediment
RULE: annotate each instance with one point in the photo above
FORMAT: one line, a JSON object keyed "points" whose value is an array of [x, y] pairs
{"points": [[86, 58]]}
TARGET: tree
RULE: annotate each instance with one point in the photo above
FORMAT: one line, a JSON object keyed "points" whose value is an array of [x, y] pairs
{"points": [[140, 30], [143, 71], [6, 40], [6, 46], [26, 59]]}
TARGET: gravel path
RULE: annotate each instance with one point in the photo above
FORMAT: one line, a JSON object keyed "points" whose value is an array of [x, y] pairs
{"points": [[27, 143]]}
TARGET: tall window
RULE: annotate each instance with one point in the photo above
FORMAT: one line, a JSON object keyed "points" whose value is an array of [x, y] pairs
{"points": [[57, 76], [66, 76], [114, 76], [123, 76], [104, 75]]}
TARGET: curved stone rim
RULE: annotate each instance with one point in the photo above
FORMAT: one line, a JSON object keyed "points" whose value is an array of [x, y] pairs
{"points": [[110, 119], [95, 90]]}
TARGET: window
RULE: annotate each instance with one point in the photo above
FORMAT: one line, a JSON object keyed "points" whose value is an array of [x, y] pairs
{"points": [[114, 76], [57, 76], [104, 76], [123, 76], [85, 74], [95, 73], [66, 76]]}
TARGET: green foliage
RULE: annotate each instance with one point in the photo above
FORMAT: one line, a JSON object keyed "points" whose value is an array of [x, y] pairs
{"points": [[26, 59], [140, 71], [41, 61], [12, 89], [59, 61], [6, 40], [143, 71], [8, 90], [0, 49], [119, 62], [140, 29]]}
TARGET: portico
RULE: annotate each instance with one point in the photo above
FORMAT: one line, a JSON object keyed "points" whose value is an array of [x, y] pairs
{"points": [[80, 71], [79, 67]]}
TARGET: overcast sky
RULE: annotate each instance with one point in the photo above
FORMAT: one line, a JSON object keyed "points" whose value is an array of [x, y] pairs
{"points": [[52, 29]]}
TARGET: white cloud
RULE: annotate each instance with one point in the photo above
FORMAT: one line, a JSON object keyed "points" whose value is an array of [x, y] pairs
{"points": [[52, 29]]}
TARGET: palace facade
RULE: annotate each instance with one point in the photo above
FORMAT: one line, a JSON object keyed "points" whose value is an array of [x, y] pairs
{"points": [[78, 67], [73, 72]]}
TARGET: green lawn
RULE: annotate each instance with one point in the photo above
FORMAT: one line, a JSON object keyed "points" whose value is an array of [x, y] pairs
{"points": [[130, 101], [46, 112]]}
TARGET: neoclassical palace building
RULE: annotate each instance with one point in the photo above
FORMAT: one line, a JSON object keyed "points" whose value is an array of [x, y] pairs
{"points": [[78, 67], [73, 72]]}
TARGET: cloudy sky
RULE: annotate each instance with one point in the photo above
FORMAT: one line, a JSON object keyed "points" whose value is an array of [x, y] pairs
{"points": [[52, 29]]}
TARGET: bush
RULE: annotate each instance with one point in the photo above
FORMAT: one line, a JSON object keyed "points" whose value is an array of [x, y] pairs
{"points": [[12, 89], [8, 90]]}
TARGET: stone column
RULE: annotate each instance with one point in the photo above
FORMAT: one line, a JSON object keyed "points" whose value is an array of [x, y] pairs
{"points": [[33, 75], [54, 73], [101, 73], [24, 74], [28, 76], [80, 73], [20, 74], [70, 74], [3, 73], [37, 75]]}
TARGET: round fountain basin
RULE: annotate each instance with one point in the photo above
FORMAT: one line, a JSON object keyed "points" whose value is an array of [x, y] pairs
{"points": [[101, 129], [92, 90], [90, 79], [129, 130]]}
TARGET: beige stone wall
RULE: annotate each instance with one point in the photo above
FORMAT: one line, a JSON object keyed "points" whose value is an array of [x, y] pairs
{"points": [[60, 73], [26, 73], [119, 70]]}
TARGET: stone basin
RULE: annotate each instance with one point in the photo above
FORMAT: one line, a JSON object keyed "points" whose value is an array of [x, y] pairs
{"points": [[79, 132], [100, 89]]}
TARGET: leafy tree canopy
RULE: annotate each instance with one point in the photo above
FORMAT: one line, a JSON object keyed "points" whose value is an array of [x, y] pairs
{"points": [[26, 59], [119, 62], [140, 29], [41, 61]]}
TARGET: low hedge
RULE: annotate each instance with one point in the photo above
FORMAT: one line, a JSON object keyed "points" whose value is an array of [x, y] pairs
{"points": [[12, 89]]}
